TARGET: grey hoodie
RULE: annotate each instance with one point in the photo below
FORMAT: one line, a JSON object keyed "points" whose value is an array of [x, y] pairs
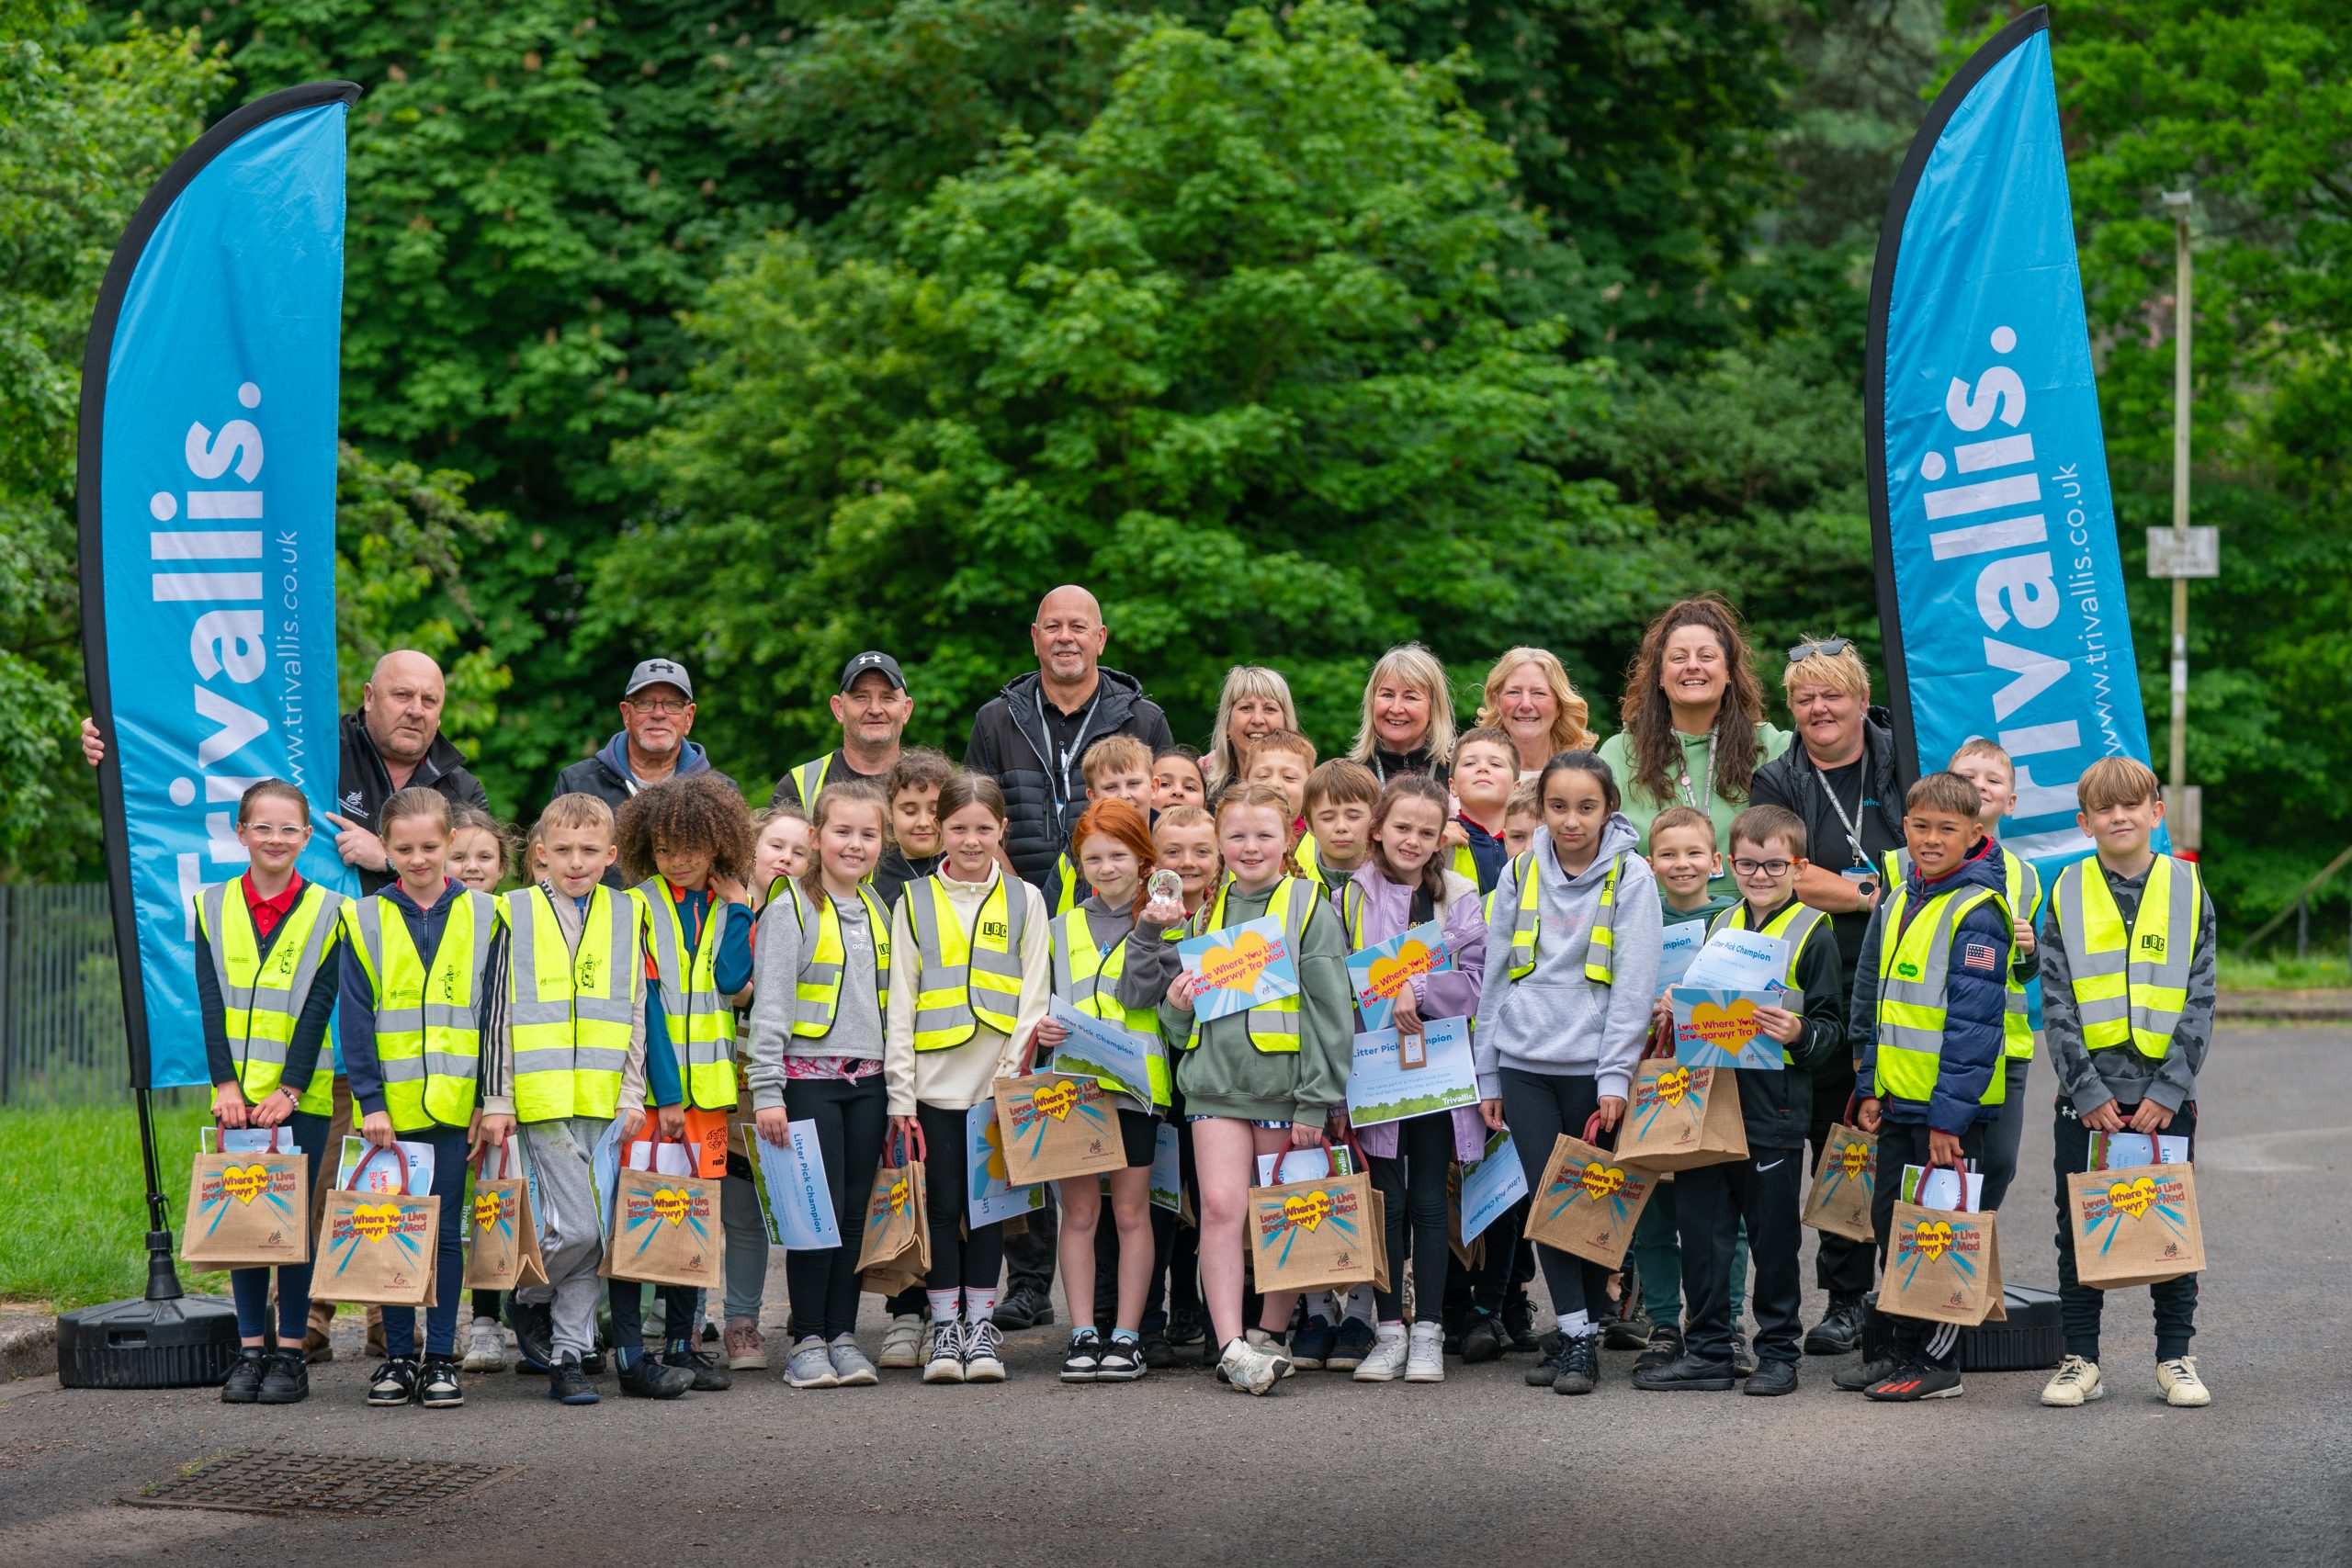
{"points": [[1556, 1022]]}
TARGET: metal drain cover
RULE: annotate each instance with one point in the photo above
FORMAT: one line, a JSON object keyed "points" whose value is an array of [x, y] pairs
{"points": [[266, 1481]]}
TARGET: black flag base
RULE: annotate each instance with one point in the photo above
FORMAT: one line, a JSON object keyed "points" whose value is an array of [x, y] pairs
{"points": [[165, 1339]]}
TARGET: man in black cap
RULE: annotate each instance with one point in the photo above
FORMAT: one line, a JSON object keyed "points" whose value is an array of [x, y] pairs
{"points": [[872, 707], [657, 715]]}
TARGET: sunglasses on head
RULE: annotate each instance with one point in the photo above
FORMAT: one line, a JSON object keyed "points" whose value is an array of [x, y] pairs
{"points": [[1828, 647]]}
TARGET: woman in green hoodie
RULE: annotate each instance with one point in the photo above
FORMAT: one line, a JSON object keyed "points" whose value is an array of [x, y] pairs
{"points": [[1262, 1081]]}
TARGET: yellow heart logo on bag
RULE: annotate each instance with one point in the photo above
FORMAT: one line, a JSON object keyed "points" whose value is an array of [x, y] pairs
{"points": [[669, 1204], [486, 1208], [897, 1197], [375, 1221], [1672, 1086], [1853, 1159], [1237, 968], [245, 1182], [1603, 1180], [1308, 1210], [1388, 975], [1056, 1099], [1932, 1238], [2131, 1198]]}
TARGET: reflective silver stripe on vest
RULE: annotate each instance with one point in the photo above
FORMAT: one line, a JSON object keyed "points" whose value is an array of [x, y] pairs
{"points": [[369, 917], [296, 994], [522, 967], [2183, 915], [564, 1059], [679, 1002], [1926, 991], [937, 974], [806, 1010]]}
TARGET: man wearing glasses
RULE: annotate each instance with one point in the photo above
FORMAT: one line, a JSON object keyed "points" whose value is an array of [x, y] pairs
{"points": [[1840, 779], [657, 715]]}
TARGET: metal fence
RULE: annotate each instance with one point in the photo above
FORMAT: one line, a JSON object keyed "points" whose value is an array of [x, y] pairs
{"points": [[61, 998]]}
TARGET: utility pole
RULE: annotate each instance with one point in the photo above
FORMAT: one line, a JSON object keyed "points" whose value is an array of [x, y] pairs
{"points": [[2181, 552]]}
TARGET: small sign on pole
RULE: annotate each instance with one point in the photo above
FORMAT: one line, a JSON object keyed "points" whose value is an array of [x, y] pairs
{"points": [[2198, 556]]}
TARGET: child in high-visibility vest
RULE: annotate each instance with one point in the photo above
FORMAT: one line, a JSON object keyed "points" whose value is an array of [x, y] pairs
{"points": [[970, 975], [1485, 770], [1930, 992], [477, 860], [587, 1046], [1183, 841], [817, 1045], [1763, 1194], [687, 842], [1404, 884], [267, 972], [1283, 760], [1572, 966], [1117, 767], [1260, 1081], [422, 964], [1096, 973], [2128, 970], [1339, 800], [1984, 764], [1176, 778]]}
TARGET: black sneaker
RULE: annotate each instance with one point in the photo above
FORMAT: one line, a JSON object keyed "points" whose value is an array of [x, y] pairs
{"points": [[534, 1326], [437, 1387], [1771, 1379], [1916, 1378], [593, 1363], [1123, 1361], [648, 1376], [1184, 1327], [1743, 1360], [1685, 1372], [567, 1385], [1156, 1349], [1483, 1340], [1839, 1330], [1554, 1357], [1665, 1347], [242, 1385], [1627, 1333], [1519, 1321], [1580, 1364], [1854, 1379], [1024, 1306], [700, 1365], [394, 1382], [1084, 1362], [287, 1381]]}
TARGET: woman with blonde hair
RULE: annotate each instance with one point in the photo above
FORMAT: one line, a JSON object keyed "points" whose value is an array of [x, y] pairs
{"points": [[1529, 697], [1255, 702], [1408, 724]]}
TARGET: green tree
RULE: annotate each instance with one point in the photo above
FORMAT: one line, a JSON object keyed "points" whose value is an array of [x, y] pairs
{"points": [[1236, 356]]}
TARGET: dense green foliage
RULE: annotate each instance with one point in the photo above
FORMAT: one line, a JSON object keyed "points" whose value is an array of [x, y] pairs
{"points": [[770, 329]]}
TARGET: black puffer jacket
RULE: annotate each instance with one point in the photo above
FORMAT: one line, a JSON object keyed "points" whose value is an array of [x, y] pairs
{"points": [[1791, 779], [366, 784], [1044, 800]]}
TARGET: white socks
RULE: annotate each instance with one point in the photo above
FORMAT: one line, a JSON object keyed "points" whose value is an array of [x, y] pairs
{"points": [[1361, 1303], [980, 1306], [945, 1305], [1576, 1324]]}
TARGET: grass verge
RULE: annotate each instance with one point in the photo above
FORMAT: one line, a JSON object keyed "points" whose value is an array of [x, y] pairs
{"points": [[2320, 972], [75, 1203]]}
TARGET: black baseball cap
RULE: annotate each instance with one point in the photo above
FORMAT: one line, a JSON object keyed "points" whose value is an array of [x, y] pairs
{"points": [[658, 672], [882, 663]]}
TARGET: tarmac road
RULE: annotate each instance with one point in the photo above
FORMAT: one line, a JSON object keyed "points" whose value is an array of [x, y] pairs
{"points": [[1177, 1470]]}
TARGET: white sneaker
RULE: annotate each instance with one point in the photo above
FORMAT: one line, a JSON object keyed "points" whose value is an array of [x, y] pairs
{"points": [[2181, 1384], [982, 1341], [809, 1365], [903, 1344], [1263, 1341], [946, 1361], [851, 1369], [486, 1346], [1425, 1361], [1251, 1368], [1385, 1362], [2076, 1383]]}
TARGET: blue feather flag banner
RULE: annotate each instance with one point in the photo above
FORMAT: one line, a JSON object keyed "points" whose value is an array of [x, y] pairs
{"points": [[1999, 582], [207, 519]]}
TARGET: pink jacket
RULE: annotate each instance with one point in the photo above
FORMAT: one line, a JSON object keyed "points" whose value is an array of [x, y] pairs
{"points": [[1449, 993]]}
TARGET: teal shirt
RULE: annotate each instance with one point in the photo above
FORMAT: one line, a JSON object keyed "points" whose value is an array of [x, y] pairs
{"points": [[1640, 806]]}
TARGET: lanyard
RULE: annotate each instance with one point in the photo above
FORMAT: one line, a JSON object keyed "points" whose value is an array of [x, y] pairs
{"points": [[1077, 747], [1853, 834], [1700, 801]]}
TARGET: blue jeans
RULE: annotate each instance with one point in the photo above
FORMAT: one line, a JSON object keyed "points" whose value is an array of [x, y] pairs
{"points": [[449, 1149], [250, 1286]]}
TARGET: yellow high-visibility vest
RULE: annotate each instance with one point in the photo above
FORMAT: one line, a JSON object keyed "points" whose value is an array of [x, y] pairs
{"points": [[1273, 1026], [261, 1001], [1793, 925], [1601, 951], [2131, 988], [2025, 893], [574, 1011], [1087, 978], [964, 976], [817, 993], [428, 1012], [1912, 996], [701, 1021]]}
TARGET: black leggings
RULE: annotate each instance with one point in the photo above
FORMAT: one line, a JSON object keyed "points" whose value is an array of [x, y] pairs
{"points": [[1415, 1178], [852, 1115], [1540, 1107], [956, 1262]]}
